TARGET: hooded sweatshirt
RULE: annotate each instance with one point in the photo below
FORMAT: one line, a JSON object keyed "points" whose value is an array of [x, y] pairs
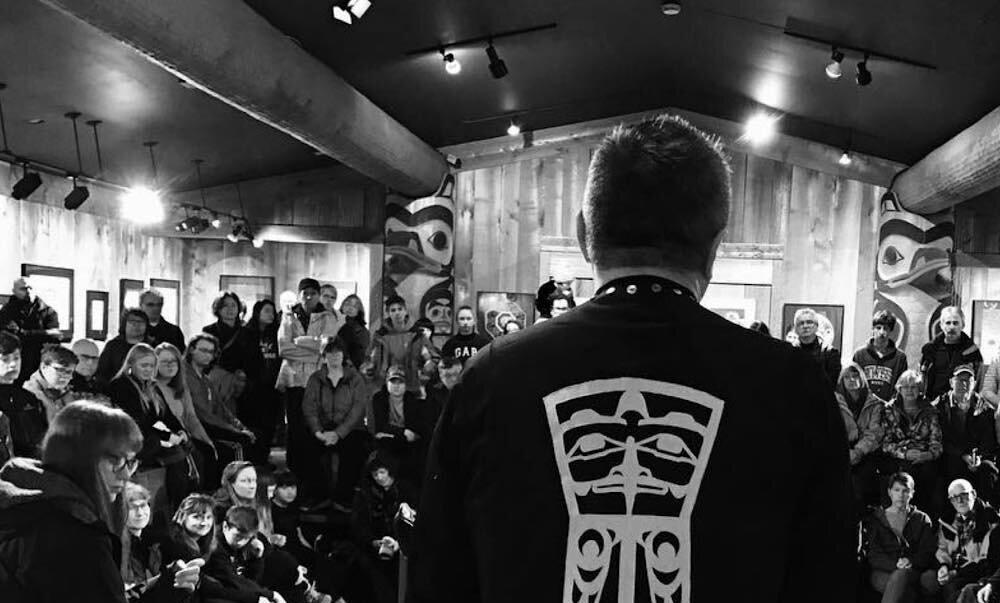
{"points": [[882, 372], [862, 419], [52, 399], [53, 545]]}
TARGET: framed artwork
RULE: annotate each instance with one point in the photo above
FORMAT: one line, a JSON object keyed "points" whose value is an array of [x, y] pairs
{"points": [[830, 318], [171, 291], [55, 287], [986, 327], [97, 315], [250, 289], [128, 293], [495, 309]]}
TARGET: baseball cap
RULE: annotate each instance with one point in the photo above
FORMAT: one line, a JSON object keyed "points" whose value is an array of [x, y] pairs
{"points": [[963, 368], [395, 373], [308, 283]]}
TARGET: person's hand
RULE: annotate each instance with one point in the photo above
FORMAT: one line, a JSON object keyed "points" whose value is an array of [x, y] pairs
{"points": [[278, 539], [983, 596], [187, 574], [913, 455], [408, 514], [256, 548], [263, 599], [903, 563], [383, 435], [943, 575], [409, 435], [391, 544], [249, 435]]}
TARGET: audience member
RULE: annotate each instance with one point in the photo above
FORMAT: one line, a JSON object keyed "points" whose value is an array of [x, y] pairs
{"points": [[809, 341], [449, 371], [191, 535], [391, 343], [33, 321], [964, 553], [334, 409], [968, 434], [134, 323], [172, 386], [355, 331], [21, 413], [560, 303], [913, 438], [901, 545], [949, 349], [468, 341], [262, 408], [760, 327], [328, 297], [85, 384], [421, 356], [882, 362], [403, 425], [50, 383], [511, 326], [163, 460], [61, 519], [543, 300], [237, 561], [862, 411], [239, 350], [301, 336], [159, 330], [287, 517], [379, 498], [142, 569]]}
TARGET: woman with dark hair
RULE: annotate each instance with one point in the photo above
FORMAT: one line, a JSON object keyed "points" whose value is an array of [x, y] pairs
{"points": [[238, 348], [62, 519], [262, 410], [355, 332], [191, 533], [163, 460]]}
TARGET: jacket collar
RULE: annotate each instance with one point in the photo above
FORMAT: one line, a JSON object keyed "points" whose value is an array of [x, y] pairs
{"points": [[643, 286]]}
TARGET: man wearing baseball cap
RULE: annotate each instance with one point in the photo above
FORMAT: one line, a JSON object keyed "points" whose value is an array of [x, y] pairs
{"points": [[34, 323], [968, 434]]}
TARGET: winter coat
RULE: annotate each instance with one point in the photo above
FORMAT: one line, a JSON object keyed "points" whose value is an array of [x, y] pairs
{"points": [[112, 358], [27, 419], [375, 509], [29, 320], [214, 415], [884, 548], [827, 358], [237, 573], [865, 431], [976, 558], [238, 348], [146, 406], [94, 389], [54, 547], [922, 434], [144, 563], [165, 332], [939, 359], [882, 372], [357, 338], [978, 431], [418, 416], [341, 408], [300, 360], [52, 400], [407, 349]]}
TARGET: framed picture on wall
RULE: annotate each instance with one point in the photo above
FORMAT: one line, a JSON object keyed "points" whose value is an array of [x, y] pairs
{"points": [[97, 315], [250, 289], [128, 293], [496, 309], [986, 327], [830, 319], [171, 291], [55, 287]]}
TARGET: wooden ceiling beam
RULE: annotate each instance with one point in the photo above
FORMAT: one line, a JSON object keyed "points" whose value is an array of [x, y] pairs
{"points": [[229, 51]]}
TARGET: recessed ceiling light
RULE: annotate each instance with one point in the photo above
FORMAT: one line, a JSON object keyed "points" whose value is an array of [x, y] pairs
{"points": [[671, 9], [36, 121]]}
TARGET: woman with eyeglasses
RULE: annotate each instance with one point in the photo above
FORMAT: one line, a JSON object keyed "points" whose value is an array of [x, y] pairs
{"points": [[62, 518], [171, 383]]}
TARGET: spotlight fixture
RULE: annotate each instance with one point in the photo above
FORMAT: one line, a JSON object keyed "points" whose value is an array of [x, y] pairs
{"points": [[670, 9], [346, 11], [760, 128], [497, 67], [28, 184], [833, 70], [79, 194], [513, 129], [142, 204], [451, 64], [216, 222], [864, 77], [845, 159]]}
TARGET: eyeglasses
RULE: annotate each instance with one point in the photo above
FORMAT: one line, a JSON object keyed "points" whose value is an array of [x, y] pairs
{"points": [[121, 464], [62, 371], [961, 497], [168, 362]]}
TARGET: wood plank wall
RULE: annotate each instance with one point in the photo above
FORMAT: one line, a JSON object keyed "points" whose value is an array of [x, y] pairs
{"points": [[511, 213]]}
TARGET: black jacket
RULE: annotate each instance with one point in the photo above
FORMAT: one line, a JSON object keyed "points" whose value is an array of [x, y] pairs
{"points": [[112, 358], [621, 428], [29, 321], [418, 415], [165, 332], [129, 395], [939, 359], [882, 372], [827, 358], [357, 338], [977, 431], [28, 421], [239, 348], [884, 548]]}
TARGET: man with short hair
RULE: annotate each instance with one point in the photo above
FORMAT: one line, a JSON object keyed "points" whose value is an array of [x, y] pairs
{"points": [[391, 342], [965, 540], [50, 383], [881, 361], [628, 469], [467, 341], [22, 417], [968, 434], [133, 325], [85, 379], [33, 321], [160, 330], [949, 349], [823, 352]]}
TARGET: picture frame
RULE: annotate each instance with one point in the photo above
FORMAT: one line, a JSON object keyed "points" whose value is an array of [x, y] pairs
{"points": [[97, 315], [55, 287], [830, 318], [128, 294], [986, 327], [171, 291], [495, 308], [250, 289]]}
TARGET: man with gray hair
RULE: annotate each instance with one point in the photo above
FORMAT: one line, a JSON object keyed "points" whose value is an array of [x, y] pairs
{"points": [[952, 347], [33, 321], [809, 341], [159, 330], [628, 470]]}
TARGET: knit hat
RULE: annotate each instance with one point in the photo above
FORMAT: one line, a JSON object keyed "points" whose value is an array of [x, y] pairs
{"points": [[308, 283]]}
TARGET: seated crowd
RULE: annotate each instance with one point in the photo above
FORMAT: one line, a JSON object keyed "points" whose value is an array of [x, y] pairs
{"points": [[156, 458]]}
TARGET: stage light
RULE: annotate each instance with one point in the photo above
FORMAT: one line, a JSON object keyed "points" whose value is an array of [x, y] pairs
{"points": [[28, 184], [451, 64], [497, 67], [216, 222], [142, 205], [864, 76], [670, 9], [258, 242], [760, 128], [833, 70], [845, 159], [346, 11], [76, 197], [513, 129]]}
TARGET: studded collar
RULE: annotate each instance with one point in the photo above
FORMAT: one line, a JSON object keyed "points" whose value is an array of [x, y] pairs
{"points": [[643, 287]]}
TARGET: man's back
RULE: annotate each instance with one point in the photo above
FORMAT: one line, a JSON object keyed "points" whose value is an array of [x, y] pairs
{"points": [[638, 448]]}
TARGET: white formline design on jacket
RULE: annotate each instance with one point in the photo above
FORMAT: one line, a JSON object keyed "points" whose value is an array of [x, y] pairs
{"points": [[631, 454]]}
